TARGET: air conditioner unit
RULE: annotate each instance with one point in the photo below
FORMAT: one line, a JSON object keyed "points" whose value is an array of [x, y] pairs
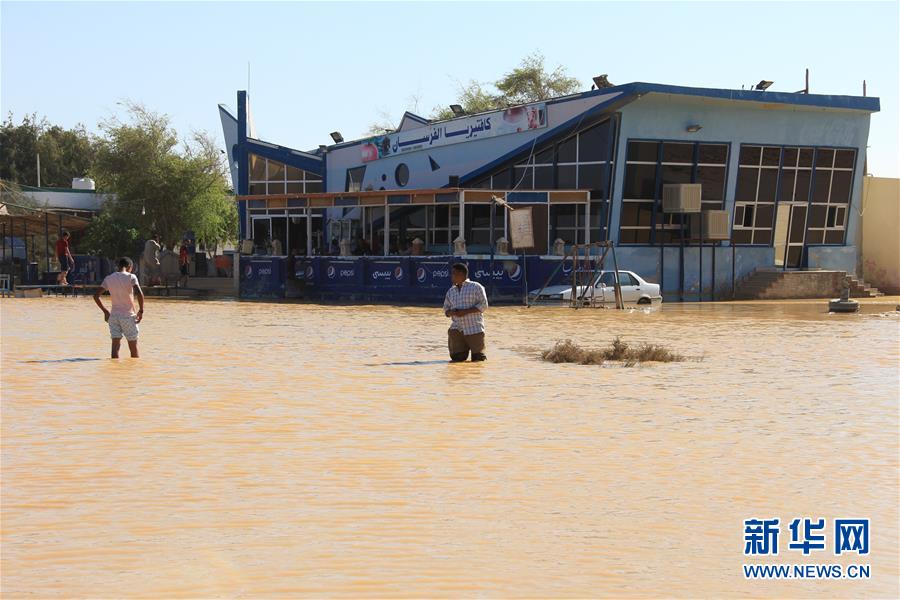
{"points": [[715, 225], [681, 198]]}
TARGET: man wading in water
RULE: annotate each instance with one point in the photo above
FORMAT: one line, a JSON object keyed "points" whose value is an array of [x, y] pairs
{"points": [[464, 303]]}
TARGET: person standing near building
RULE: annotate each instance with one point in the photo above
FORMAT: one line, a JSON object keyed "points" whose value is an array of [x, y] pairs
{"points": [[65, 258], [184, 261], [465, 304], [150, 259], [123, 286]]}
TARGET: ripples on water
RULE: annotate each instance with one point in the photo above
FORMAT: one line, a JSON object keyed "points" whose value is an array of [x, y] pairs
{"points": [[261, 450]]}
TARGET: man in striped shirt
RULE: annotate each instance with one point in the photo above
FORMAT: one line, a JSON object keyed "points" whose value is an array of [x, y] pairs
{"points": [[465, 304]]}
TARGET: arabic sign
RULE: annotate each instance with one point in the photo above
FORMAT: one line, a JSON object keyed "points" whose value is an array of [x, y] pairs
{"points": [[501, 122], [521, 229]]}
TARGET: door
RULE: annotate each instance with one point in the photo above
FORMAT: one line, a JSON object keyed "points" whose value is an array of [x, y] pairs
{"points": [[262, 231], [279, 231], [631, 291], [790, 233]]}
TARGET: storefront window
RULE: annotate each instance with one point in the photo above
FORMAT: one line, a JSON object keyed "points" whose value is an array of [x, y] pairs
{"points": [[271, 177], [652, 164]]}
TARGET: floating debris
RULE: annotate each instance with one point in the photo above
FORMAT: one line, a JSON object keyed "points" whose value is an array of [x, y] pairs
{"points": [[569, 352]]}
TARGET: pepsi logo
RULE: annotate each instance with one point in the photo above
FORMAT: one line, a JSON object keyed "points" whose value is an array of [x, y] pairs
{"points": [[309, 272], [331, 272], [248, 271], [421, 275], [398, 273], [516, 273]]}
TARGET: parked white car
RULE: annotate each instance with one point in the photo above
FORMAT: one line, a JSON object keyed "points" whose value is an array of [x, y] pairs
{"points": [[634, 290]]}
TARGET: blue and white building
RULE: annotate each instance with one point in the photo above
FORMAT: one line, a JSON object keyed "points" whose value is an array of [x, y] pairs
{"points": [[779, 173]]}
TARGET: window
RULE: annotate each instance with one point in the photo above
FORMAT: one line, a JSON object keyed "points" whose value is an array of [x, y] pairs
{"points": [[401, 174], [355, 179], [478, 225], [755, 194], [444, 220], [608, 279], [819, 177], [830, 198], [567, 223], [410, 222], [273, 178], [626, 279], [653, 164], [580, 161]]}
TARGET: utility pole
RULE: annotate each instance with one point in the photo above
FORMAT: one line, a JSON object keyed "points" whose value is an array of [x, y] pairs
{"points": [[39, 169]]}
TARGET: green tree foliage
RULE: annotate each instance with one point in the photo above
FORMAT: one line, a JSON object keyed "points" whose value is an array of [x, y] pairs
{"points": [[162, 184], [529, 82], [65, 153]]}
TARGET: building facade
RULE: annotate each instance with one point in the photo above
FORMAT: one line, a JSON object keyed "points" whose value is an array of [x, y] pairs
{"points": [[786, 169]]}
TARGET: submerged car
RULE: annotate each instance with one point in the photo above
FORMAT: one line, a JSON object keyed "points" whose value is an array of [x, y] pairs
{"points": [[635, 289]]}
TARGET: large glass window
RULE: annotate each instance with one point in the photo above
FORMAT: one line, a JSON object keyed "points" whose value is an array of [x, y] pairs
{"points": [[567, 223], [581, 161], [274, 178], [478, 226], [832, 189], [755, 194], [444, 219], [820, 177], [649, 165]]}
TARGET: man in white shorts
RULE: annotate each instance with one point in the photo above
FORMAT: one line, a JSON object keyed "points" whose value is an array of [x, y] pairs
{"points": [[123, 286]]}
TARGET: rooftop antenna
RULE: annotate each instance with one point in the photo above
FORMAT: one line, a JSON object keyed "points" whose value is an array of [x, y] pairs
{"points": [[864, 88], [805, 90]]}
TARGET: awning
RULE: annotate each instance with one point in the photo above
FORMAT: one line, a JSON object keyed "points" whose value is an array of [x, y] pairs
{"points": [[17, 220]]}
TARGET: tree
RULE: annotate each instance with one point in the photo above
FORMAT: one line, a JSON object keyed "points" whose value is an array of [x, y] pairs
{"points": [[65, 153], [162, 184], [529, 82]]}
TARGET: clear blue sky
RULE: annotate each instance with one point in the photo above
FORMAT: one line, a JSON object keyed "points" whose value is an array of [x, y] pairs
{"points": [[317, 67]]}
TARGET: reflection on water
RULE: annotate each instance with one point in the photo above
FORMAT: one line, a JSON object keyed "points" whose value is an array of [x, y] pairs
{"points": [[261, 450]]}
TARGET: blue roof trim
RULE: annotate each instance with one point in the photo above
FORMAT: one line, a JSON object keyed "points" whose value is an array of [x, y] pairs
{"points": [[865, 103], [304, 161], [637, 89]]}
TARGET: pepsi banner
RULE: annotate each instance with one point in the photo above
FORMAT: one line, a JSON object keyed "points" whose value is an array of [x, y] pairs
{"points": [[504, 274], [342, 272], [432, 273], [306, 271], [262, 277], [387, 273]]}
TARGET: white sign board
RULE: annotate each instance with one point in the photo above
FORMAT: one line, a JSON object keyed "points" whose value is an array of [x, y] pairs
{"points": [[501, 122], [521, 228]]}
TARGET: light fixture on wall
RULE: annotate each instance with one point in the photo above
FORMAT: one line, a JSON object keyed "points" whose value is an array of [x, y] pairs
{"points": [[694, 128], [457, 110], [763, 85], [337, 137]]}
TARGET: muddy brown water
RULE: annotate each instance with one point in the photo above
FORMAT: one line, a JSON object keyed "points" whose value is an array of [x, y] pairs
{"points": [[266, 450]]}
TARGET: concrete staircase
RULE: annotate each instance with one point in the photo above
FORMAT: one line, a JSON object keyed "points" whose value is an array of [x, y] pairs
{"points": [[774, 284]]}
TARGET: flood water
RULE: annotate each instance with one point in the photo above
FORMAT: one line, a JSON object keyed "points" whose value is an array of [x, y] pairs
{"points": [[264, 450]]}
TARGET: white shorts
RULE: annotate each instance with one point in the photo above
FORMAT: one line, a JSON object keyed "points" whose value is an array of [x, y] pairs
{"points": [[120, 325]]}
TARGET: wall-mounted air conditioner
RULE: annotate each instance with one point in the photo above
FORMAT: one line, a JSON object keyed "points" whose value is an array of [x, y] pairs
{"points": [[681, 198], [715, 225]]}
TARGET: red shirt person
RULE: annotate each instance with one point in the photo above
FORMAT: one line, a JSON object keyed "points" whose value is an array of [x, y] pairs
{"points": [[65, 258]]}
